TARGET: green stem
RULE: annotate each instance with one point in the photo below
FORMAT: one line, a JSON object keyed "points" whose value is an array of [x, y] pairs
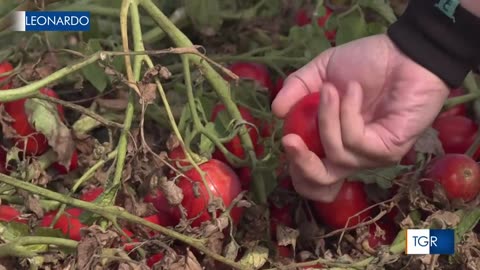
{"points": [[113, 212], [452, 102], [16, 248], [221, 87]]}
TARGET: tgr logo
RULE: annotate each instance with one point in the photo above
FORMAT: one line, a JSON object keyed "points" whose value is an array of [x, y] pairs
{"points": [[425, 241]]}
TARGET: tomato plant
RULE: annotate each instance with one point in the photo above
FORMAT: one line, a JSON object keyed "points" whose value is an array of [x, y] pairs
{"points": [[458, 110], [73, 164], [350, 201], [302, 119], [235, 145], [253, 71], [4, 68], [458, 174], [456, 133], [10, 214], [222, 182]]}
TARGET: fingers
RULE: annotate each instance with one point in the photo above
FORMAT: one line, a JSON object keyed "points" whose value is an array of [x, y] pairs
{"points": [[306, 80], [332, 129]]}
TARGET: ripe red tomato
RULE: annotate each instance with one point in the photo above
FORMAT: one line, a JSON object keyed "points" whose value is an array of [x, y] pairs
{"points": [[235, 145], [91, 194], [253, 71], [4, 68], [73, 164], [74, 212], [458, 174], [67, 224], [302, 119], [410, 158], [10, 214], [245, 176], [456, 133], [285, 251], [178, 157], [386, 237], [459, 110], [152, 260], [302, 18], [161, 219], [166, 212], [222, 182], [351, 200]]}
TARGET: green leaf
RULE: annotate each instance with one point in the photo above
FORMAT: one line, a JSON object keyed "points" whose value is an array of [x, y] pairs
{"points": [[205, 15], [44, 118], [206, 146], [351, 27], [375, 28], [12, 230], [382, 7], [469, 220], [93, 72], [383, 177]]}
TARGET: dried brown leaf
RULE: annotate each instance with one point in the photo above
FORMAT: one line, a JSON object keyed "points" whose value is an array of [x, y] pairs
{"points": [[188, 262], [255, 257], [148, 92], [113, 104], [287, 236], [173, 193], [231, 250], [444, 218], [33, 204], [429, 143]]}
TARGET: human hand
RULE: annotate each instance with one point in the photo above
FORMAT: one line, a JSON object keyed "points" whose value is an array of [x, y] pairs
{"points": [[375, 102]]}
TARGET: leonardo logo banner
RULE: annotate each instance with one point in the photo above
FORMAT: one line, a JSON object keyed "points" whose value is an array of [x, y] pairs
{"points": [[425, 241], [36, 21]]}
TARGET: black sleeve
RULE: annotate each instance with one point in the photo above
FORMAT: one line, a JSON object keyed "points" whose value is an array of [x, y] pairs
{"points": [[441, 36]]}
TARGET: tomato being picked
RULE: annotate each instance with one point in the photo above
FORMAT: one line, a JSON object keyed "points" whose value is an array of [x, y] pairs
{"points": [[456, 133], [253, 71], [235, 145], [302, 119], [342, 212], [458, 174], [222, 182]]}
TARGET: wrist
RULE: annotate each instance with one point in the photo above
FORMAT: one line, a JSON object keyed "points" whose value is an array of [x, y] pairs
{"points": [[472, 6], [440, 35]]}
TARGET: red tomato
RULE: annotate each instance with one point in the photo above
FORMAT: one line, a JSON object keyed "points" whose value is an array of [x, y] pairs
{"points": [[166, 212], [456, 133], [282, 215], [161, 219], [458, 174], [459, 110], [302, 18], [235, 145], [4, 68], [410, 158], [75, 212], [177, 155], [10, 214], [222, 182], [152, 260], [73, 164], [384, 237], [91, 194], [302, 120], [67, 224], [285, 251], [351, 200], [128, 246], [253, 71]]}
